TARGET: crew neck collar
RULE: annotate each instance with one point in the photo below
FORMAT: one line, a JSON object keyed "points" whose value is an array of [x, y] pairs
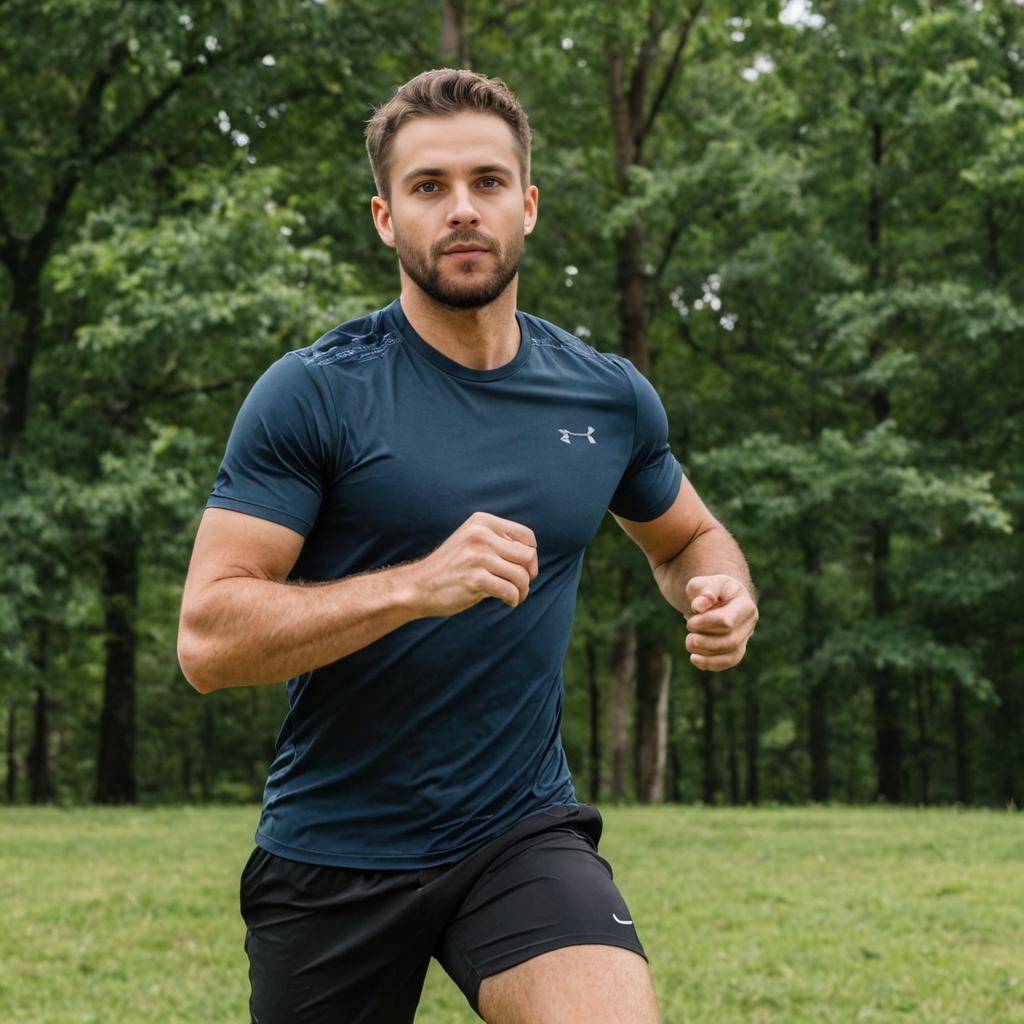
{"points": [[450, 366]]}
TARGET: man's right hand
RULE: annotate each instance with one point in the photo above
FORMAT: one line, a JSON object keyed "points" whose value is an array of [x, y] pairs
{"points": [[485, 557]]}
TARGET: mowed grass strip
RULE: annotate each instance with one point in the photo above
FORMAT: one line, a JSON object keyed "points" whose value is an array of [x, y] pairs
{"points": [[752, 915]]}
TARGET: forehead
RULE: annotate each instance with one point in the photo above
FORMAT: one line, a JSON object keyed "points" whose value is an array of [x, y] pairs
{"points": [[468, 139]]}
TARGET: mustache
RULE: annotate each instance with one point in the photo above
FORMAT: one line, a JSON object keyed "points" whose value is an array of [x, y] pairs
{"points": [[464, 236]]}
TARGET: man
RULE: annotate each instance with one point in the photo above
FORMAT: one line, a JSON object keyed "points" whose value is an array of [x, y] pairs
{"points": [[398, 527]]}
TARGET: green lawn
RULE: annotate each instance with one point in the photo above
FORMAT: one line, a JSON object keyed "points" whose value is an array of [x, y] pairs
{"points": [[782, 915]]}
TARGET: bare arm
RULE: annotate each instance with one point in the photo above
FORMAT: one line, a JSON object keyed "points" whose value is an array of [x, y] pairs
{"points": [[701, 572], [242, 624]]}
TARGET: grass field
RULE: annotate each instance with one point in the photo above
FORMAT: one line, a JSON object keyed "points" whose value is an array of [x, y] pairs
{"points": [[753, 915]]}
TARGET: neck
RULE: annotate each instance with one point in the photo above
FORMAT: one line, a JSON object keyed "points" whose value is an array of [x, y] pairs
{"points": [[480, 339]]}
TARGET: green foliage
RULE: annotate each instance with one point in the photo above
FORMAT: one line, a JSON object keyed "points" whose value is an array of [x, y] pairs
{"points": [[829, 214]]}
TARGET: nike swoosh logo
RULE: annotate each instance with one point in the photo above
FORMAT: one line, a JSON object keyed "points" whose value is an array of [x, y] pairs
{"points": [[621, 922]]}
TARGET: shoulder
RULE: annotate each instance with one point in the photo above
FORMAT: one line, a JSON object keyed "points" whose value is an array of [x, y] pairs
{"points": [[618, 374], [355, 341], [573, 351], [307, 384], [549, 335]]}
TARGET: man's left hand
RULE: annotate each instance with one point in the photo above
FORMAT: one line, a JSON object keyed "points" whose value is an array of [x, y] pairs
{"points": [[721, 622]]}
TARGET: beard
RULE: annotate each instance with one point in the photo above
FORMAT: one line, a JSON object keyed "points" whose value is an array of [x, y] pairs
{"points": [[465, 287]]}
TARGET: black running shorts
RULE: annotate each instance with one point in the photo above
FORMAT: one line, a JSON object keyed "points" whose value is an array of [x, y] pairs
{"points": [[330, 945]]}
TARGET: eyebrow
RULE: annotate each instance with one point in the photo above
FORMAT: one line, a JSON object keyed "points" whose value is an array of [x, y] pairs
{"points": [[440, 172]]}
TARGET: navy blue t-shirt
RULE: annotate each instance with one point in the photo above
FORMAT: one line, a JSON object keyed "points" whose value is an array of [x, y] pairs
{"points": [[373, 445]]}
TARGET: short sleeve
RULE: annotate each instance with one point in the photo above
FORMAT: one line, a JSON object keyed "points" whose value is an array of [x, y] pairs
{"points": [[651, 480], [279, 450]]}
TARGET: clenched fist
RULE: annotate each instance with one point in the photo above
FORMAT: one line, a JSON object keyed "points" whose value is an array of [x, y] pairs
{"points": [[485, 557], [722, 621]]}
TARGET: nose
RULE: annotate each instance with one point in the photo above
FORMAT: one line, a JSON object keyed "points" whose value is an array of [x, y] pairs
{"points": [[462, 211]]}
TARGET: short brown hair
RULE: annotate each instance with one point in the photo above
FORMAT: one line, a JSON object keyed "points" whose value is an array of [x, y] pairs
{"points": [[443, 92]]}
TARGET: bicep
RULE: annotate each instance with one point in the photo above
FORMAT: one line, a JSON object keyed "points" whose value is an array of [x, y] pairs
{"points": [[662, 538], [232, 544]]}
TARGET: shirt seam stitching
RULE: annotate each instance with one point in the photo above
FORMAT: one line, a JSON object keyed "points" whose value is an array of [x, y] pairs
{"points": [[350, 353], [341, 442], [636, 410]]}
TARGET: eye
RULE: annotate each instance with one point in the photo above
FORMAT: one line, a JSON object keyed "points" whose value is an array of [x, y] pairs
{"points": [[490, 182], [427, 187]]}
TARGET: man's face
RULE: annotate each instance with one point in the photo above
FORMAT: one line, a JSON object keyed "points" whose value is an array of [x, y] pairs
{"points": [[458, 212]]}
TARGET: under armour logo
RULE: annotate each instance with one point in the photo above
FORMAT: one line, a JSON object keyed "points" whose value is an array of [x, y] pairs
{"points": [[566, 434]]}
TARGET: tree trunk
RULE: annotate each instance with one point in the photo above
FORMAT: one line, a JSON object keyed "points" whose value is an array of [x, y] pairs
{"points": [[888, 727], [675, 775], [1008, 721], [819, 740], [710, 773], [963, 779], [622, 666], [752, 731], [675, 767], [653, 676], [634, 324], [923, 742], [633, 306], [817, 734], [635, 101], [454, 44], [186, 773], [11, 782], [40, 778], [888, 724], [888, 739], [115, 764], [594, 694], [207, 749], [25, 316], [732, 744]]}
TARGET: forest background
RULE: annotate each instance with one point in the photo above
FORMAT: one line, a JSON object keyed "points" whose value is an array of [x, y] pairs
{"points": [[804, 222]]}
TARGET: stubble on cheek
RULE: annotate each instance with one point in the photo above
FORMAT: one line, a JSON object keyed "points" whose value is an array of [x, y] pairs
{"points": [[469, 287]]}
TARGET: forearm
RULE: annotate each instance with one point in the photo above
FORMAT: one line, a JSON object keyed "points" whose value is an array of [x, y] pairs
{"points": [[246, 631], [713, 552]]}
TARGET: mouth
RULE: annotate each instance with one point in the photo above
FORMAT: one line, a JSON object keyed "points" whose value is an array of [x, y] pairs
{"points": [[466, 251]]}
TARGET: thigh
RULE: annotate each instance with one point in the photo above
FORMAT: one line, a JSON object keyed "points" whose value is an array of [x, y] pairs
{"points": [[549, 892], [329, 945], [572, 985]]}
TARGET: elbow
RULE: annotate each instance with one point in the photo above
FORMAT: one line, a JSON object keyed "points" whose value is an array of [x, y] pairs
{"points": [[195, 662]]}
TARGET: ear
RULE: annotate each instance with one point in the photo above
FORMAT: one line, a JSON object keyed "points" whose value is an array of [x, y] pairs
{"points": [[530, 200], [382, 221]]}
